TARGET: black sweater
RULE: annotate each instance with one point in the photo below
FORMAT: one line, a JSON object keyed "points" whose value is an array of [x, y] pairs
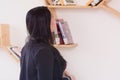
{"points": [[41, 62]]}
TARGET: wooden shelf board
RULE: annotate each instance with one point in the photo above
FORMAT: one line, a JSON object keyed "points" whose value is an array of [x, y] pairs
{"points": [[65, 46], [76, 6]]}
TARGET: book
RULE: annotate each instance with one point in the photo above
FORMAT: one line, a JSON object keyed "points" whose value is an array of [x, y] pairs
{"points": [[15, 51], [62, 33], [59, 32], [62, 30], [67, 32], [56, 35]]}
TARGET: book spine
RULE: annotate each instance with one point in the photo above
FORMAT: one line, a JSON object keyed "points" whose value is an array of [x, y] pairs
{"points": [[61, 25], [68, 33], [59, 33], [56, 35]]}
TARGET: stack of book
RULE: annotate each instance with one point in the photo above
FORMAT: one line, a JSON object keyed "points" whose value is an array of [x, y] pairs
{"points": [[61, 2], [62, 33]]}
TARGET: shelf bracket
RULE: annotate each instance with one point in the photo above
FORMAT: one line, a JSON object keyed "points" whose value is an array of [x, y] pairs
{"points": [[110, 9]]}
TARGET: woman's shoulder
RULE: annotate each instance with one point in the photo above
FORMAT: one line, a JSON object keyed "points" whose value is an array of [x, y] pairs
{"points": [[36, 45], [33, 48]]}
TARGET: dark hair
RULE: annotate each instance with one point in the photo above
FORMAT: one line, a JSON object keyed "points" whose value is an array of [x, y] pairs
{"points": [[38, 22]]}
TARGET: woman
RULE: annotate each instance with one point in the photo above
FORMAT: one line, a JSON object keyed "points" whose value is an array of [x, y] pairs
{"points": [[39, 59]]}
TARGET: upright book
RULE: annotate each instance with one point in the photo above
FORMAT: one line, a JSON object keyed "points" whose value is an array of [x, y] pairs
{"points": [[67, 32], [56, 34], [62, 30], [59, 32]]}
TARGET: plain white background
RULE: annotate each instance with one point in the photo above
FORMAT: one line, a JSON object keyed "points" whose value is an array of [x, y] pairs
{"points": [[97, 32]]}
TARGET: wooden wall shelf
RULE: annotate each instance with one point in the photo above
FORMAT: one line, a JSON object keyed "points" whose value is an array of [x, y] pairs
{"points": [[102, 4], [77, 6], [66, 46]]}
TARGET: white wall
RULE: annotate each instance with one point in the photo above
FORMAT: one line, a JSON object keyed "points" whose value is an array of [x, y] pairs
{"points": [[13, 12], [96, 31], [9, 68]]}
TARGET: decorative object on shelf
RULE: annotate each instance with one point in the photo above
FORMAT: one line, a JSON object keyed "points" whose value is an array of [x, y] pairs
{"points": [[95, 2], [54, 2], [60, 2], [69, 2], [57, 2]]}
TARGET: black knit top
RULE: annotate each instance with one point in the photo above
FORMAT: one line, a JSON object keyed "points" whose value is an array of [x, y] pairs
{"points": [[40, 61]]}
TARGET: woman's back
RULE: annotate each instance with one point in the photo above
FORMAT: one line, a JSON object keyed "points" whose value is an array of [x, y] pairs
{"points": [[40, 61]]}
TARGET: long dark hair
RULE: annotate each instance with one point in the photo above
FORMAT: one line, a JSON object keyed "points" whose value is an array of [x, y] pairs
{"points": [[38, 22]]}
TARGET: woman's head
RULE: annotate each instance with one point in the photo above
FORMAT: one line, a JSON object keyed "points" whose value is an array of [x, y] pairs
{"points": [[38, 22]]}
